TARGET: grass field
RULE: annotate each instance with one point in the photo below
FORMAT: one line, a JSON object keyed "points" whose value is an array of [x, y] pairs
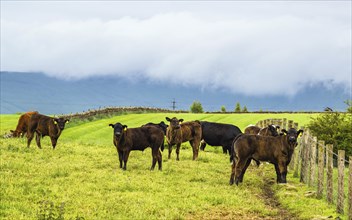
{"points": [[80, 179]]}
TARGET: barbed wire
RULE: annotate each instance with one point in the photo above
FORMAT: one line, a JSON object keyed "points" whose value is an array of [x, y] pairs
{"points": [[324, 146]]}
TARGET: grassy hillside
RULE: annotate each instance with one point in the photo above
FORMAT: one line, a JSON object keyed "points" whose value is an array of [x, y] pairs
{"points": [[81, 178], [98, 132]]}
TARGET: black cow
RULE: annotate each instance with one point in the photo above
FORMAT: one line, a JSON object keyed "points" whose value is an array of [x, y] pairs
{"points": [[218, 134], [161, 125]]}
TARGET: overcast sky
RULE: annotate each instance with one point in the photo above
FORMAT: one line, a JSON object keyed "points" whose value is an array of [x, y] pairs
{"points": [[253, 48]]}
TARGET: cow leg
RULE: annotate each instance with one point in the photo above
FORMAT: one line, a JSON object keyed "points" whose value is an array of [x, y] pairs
{"points": [[195, 148], [283, 171], [155, 157], [240, 164], [178, 146], [170, 150], [233, 172], [125, 158], [37, 138], [224, 149], [120, 153], [30, 136], [160, 159], [203, 145], [244, 170], [53, 142], [278, 176]]}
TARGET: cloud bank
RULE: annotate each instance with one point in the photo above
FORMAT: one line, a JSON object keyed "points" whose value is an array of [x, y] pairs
{"points": [[271, 55]]}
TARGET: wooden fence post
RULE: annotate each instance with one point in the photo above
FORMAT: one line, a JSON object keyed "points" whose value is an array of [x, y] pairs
{"points": [[280, 123], [350, 188], [340, 189], [329, 176], [304, 157], [290, 124], [294, 155], [298, 155], [320, 170], [313, 157], [284, 124]]}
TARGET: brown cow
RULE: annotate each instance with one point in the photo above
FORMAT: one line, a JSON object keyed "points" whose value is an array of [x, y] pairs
{"points": [[22, 125], [43, 126], [271, 130], [126, 140], [178, 133], [276, 150]]}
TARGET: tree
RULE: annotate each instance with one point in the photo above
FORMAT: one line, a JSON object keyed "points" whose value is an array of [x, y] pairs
{"points": [[223, 109], [196, 107], [244, 109], [334, 128], [238, 107]]}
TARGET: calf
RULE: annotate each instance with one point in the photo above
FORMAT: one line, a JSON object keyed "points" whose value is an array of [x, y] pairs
{"points": [[22, 125], [271, 130], [161, 126], [126, 140], [43, 126], [178, 133], [252, 129], [276, 150], [218, 134]]}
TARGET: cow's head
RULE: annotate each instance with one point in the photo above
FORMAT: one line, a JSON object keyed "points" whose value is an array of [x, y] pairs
{"points": [[118, 129], [273, 130], [174, 122], [292, 135], [163, 126], [15, 133], [60, 122]]}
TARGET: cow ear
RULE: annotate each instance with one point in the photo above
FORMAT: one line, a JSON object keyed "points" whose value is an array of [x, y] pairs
{"points": [[180, 120], [167, 119], [124, 127], [111, 125], [284, 131], [299, 132], [67, 120], [55, 121]]}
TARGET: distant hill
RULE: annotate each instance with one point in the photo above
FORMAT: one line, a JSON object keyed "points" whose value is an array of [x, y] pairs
{"points": [[22, 92]]}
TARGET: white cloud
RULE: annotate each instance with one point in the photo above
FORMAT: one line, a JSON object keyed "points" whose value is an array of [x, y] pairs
{"points": [[255, 54]]}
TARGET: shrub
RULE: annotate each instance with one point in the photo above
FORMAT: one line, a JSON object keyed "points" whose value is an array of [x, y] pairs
{"points": [[244, 109], [238, 107], [334, 128], [196, 107], [223, 109]]}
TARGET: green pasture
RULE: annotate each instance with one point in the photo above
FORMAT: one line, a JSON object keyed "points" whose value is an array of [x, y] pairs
{"points": [[81, 178]]}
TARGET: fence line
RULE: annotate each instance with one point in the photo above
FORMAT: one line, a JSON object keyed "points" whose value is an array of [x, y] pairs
{"points": [[312, 159]]}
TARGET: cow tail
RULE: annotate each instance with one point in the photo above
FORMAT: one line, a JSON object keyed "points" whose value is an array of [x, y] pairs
{"points": [[162, 146], [232, 149]]}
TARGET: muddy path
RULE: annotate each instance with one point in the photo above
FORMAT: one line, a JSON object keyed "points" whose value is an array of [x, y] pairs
{"points": [[271, 201]]}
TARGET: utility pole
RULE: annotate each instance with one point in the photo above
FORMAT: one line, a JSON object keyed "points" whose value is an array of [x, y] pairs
{"points": [[173, 105]]}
